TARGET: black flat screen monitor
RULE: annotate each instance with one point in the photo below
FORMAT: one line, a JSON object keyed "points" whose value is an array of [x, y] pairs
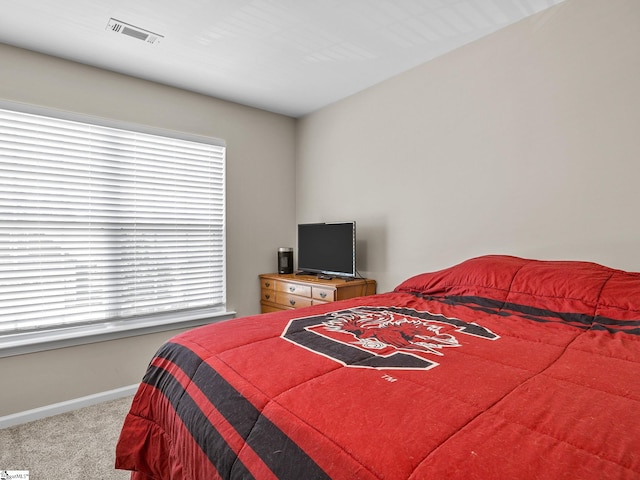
{"points": [[327, 249]]}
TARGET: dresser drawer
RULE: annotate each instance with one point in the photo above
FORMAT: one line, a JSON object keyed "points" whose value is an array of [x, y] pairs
{"points": [[323, 294], [292, 301], [270, 308], [267, 295], [294, 288], [267, 284]]}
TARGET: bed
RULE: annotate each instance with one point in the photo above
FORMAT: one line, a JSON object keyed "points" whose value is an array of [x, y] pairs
{"points": [[496, 368]]}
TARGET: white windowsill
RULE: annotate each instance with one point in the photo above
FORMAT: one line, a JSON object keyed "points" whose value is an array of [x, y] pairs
{"points": [[31, 342]]}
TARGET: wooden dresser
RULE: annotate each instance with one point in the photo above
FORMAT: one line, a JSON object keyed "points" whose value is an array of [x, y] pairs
{"points": [[289, 291]]}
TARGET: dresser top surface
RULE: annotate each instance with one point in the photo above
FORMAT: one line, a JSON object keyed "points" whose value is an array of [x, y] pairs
{"points": [[302, 278]]}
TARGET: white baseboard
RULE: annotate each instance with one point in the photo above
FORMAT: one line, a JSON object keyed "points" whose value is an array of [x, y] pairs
{"points": [[64, 407]]}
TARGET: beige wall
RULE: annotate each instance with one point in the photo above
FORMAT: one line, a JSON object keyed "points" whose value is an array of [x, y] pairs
{"points": [[260, 218], [525, 142]]}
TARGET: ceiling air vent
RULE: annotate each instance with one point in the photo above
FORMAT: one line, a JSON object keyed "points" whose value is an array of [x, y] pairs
{"points": [[117, 26]]}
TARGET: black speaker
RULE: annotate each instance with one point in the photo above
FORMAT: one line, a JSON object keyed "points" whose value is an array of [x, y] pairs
{"points": [[285, 260]]}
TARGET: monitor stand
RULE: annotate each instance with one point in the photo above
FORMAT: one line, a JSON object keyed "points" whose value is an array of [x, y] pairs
{"points": [[321, 276], [302, 272], [324, 276]]}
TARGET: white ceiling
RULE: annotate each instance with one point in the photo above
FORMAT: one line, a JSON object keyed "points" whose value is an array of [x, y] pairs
{"points": [[286, 56]]}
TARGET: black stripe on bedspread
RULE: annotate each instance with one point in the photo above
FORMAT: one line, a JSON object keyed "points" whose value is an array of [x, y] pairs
{"points": [[207, 438], [578, 320], [280, 453]]}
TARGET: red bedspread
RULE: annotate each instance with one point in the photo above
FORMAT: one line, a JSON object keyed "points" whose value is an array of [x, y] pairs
{"points": [[497, 368]]}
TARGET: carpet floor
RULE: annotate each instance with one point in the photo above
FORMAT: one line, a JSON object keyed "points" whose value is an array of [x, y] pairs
{"points": [[78, 445]]}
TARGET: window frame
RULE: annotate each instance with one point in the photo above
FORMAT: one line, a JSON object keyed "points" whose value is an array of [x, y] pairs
{"points": [[69, 335]]}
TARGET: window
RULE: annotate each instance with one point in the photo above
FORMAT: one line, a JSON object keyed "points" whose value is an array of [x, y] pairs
{"points": [[100, 223]]}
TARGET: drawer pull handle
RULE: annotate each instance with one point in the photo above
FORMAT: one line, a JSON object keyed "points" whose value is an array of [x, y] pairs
{"points": [[267, 284], [292, 289], [267, 296], [323, 295], [292, 302]]}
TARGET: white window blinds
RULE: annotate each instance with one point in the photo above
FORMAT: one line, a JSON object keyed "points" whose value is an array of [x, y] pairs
{"points": [[99, 223]]}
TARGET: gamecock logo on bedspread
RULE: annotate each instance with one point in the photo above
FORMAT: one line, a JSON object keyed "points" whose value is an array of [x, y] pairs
{"points": [[381, 337]]}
